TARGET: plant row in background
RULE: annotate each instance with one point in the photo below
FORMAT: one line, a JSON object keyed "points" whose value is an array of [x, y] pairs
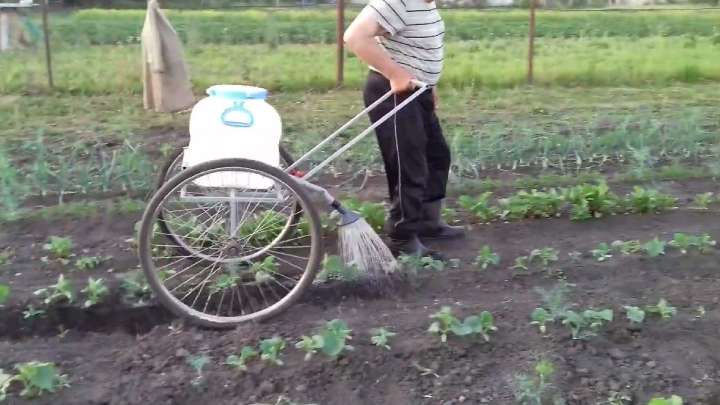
{"points": [[82, 170], [584, 201], [318, 26]]}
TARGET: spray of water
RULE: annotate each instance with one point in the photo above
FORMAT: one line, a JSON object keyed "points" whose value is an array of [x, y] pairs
{"points": [[360, 246]]}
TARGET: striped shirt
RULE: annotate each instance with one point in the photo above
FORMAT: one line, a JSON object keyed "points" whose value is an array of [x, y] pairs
{"points": [[414, 37]]}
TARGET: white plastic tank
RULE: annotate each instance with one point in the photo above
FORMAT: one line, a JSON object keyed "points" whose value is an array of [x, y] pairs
{"points": [[234, 122]]}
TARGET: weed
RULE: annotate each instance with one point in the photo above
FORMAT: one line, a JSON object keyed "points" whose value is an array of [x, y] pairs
{"points": [[198, 363], [445, 323], [702, 201], [37, 378], [655, 247], [240, 362], [96, 290], [591, 201], [330, 340], [4, 293], [602, 252], [635, 314], [540, 316], [662, 309], [479, 207], [673, 400], [89, 262], [381, 337], [271, 349], [533, 389], [645, 201], [627, 247], [486, 258], [31, 313], [587, 323], [61, 291], [60, 247]]}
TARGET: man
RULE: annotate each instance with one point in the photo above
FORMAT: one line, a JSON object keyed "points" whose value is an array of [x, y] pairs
{"points": [[402, 41]]}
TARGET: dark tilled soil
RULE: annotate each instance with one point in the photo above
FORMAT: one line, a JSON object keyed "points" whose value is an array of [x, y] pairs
{"points": [[143, 360]]}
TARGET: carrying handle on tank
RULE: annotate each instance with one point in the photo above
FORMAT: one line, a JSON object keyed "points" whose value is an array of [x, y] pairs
{"points": [[420, 87], [237, 107]]}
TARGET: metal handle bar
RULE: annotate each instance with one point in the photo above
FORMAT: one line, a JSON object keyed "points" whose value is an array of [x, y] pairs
{"points": [[420, 87]]}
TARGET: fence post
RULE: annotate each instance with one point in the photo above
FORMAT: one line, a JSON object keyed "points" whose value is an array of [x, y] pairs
{"points": [[46, 34], [531, 45], [340, 43]]}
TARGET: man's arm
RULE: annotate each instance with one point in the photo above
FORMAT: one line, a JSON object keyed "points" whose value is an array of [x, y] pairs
{"points": [[360, 39]]}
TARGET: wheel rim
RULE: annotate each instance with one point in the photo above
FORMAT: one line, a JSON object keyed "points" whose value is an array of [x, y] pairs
{"points": [[236, 258]]}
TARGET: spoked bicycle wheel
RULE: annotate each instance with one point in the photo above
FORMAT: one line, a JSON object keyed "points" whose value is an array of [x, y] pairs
{"points": [[173, 166], [253, 237]]}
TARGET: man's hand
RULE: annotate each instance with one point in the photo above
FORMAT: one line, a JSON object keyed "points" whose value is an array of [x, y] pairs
{"points": [[400, 80], [436, 98]]}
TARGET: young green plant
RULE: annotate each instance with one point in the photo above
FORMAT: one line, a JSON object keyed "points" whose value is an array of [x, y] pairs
{"points": [[240, 362], [38, 378], [486, 258], [381, 337], [330, 340], [662, 309], [62, 291], [445, 323], [271, 350], [95, 291]]}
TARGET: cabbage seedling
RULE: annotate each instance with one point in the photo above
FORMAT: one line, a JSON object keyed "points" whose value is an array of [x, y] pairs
{"points": [[381, 337], [31, 313], [95, 291], [330, 340], [61, 291], [663, 309], [60, 247], [602, 252], [198, 363], [702, 201], [627, 247], [635, 314], [89, 262], [540, 317], [5, 381], [446, 323], [38, 378], [240, 362], [271, 349], [655, 247], [486, 258], [586, 324]]}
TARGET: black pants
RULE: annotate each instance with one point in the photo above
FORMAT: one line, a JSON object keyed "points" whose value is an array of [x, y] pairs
{"points": [[415, 153]]}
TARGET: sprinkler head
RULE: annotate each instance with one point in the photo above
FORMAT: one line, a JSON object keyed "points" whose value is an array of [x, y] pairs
{"points": [[347, 217]]}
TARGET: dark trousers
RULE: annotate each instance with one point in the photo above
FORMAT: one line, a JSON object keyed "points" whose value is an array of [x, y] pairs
{"points": [[415, 153]]}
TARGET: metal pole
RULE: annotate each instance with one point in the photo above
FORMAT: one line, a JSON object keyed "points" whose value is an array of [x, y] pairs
{"points": [[531, 45], [46, 34], [340, 43]]}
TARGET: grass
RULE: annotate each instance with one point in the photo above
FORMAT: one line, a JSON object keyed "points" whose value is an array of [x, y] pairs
{"points": [[498, 63], [105, 27]]}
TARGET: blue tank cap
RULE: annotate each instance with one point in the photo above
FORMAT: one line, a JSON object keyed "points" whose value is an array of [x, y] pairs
{"points": [[237, 92]]}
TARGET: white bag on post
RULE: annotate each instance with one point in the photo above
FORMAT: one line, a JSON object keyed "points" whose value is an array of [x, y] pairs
{"points": [[166, 81]]}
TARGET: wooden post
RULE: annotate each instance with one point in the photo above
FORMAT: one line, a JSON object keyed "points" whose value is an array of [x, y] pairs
{"points": [[340, 43], [46, 34], [531, 45]]}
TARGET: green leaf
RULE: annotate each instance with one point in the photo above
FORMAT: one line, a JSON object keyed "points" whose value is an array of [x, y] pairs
{"points": [[39, 377], [655, 247], [673, 400], [635, 314], [4, 293], [5, 381]]}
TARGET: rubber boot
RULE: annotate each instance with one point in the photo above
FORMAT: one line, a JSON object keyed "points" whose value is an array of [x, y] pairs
{"points": [[412, 246], [434, 227]]}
